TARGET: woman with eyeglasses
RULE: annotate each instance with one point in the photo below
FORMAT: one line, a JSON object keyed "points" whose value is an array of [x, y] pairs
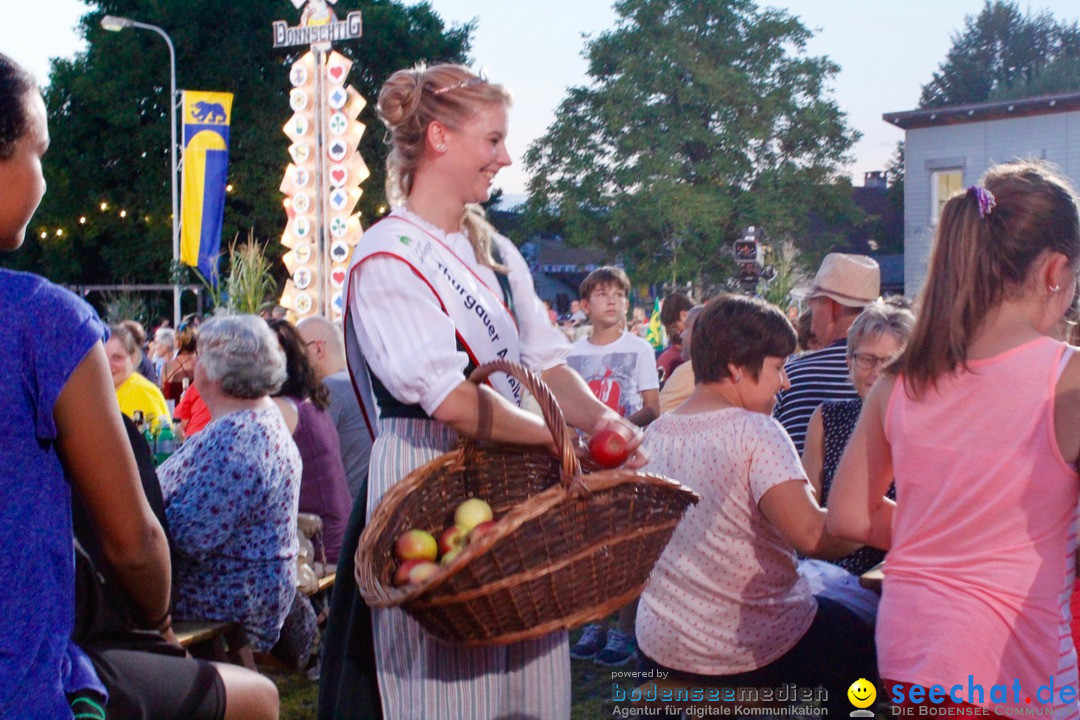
{"points": [[875, 338], [878, 334]]}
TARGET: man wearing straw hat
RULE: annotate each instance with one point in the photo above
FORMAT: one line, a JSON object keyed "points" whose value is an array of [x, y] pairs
{"points": [[843, 286]]}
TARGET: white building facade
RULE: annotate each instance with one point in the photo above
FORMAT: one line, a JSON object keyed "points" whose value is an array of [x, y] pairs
{"points": [[948, 149]]}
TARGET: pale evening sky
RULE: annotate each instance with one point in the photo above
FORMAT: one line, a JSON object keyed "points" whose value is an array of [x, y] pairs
{"points": [[886, 51]]}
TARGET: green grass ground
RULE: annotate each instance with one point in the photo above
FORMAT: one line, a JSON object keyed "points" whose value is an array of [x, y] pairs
{"points": [[590, 692]]}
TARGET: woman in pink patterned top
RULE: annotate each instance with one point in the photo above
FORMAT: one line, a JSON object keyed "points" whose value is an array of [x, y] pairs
{"points": [[977, 422], [725, 604]]}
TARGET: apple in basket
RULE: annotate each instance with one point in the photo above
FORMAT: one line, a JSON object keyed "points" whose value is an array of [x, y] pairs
{"points": [[413, 571], [471, 513], [453, 538], [451, 556], [481, 530], [609, 447], [416, 545]]}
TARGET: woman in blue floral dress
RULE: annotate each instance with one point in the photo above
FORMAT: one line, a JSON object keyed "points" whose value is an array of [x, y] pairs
{"points": [[231, 492]]}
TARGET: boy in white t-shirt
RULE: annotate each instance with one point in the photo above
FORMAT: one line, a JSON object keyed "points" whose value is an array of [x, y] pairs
{"points": [[620, 368]]}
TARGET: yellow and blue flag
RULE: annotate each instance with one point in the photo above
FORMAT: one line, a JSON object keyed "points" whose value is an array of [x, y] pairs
{"points": [[206, 117], [654, 333]]}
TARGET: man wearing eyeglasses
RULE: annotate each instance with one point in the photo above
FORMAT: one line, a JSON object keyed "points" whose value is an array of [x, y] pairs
{"points": [[843, 286]]}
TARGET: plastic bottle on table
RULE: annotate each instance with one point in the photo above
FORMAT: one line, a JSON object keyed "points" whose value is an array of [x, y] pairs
{"points": [[166, 443]]}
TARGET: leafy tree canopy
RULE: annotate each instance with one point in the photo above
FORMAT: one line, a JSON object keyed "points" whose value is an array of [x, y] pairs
{"points": [[702, 116], [109, 121], [1004, 54]]}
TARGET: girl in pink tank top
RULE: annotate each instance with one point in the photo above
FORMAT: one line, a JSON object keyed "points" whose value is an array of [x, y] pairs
{"points": [[976, 422]]}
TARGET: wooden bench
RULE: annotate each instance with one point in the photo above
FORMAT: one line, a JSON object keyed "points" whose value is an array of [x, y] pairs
{"points": [[326, 582], [226, 641], [219, 641]]}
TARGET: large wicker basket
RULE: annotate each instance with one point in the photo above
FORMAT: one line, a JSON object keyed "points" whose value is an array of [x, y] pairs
{"points": [[568, 547]]}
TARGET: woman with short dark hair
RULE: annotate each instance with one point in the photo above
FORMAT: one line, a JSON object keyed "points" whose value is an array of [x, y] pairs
{"points": [[725, 604]]}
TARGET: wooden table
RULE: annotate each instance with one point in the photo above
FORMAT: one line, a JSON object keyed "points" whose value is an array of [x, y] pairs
{"points": [[873, 578]]}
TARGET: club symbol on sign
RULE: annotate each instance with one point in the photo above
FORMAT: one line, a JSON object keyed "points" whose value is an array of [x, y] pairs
{"points": [[338, 199], [338, 175], [298, 76], [302, 278], [338, 123], [338, 227], [301, 177], [337, 150], [303, 304], [336, 99], [302, 227], [298, 99], [339, 252], [303, 253]]}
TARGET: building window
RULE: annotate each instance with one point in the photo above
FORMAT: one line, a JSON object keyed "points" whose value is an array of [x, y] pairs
{"points": [[943, 185]]}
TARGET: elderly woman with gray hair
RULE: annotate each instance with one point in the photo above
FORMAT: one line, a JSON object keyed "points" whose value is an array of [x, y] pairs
{"points": [[877, 336], [231, 492]]}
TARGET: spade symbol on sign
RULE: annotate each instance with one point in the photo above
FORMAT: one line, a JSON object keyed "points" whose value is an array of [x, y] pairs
{"points": [[337, 150], [339, 251]]}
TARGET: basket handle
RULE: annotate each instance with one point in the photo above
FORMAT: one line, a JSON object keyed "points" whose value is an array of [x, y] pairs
{"points": [[549, 406]]}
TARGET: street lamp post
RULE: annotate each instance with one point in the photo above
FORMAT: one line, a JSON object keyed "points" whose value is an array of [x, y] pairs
{"points": [[116, 24]]}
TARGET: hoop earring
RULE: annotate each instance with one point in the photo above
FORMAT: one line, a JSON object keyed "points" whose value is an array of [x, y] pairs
{"points": [[1054, 288]]}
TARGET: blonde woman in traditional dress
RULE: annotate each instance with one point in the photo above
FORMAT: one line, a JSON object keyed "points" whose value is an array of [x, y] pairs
{"points": [[433, 291]]}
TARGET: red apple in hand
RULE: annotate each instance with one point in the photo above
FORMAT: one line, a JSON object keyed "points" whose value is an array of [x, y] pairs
{"points": [[481, 530], [416, 545], [471, 513], [453, 538], [609, 447]]}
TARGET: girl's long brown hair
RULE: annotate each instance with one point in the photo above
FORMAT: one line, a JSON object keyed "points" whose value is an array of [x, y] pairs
{"points": [[978, 259]]}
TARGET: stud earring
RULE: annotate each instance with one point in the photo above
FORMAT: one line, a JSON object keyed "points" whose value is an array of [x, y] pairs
{"points": [[440, 148]]}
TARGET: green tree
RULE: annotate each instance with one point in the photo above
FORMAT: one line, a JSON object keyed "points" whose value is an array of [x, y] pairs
{"points": [[109, 120], [1003, 53], [702, 116]]}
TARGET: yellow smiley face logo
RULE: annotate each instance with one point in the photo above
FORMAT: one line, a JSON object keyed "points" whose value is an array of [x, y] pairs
{"points": [[862, 693]]}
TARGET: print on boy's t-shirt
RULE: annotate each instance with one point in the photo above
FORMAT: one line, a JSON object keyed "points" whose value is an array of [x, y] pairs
{"points": [[616, 373]]}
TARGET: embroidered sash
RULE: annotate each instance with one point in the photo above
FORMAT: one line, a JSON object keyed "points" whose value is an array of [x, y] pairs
{"points": [[485, 327]]}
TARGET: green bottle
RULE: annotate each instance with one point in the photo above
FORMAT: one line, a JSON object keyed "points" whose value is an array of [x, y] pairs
{"points": [[166, 443]]}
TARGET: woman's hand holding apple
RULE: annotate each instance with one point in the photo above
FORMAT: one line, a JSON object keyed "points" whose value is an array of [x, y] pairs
{"points": [[610, 424]]}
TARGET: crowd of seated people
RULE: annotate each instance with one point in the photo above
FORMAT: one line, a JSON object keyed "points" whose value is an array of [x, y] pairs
{"points": [[945, 440]]}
